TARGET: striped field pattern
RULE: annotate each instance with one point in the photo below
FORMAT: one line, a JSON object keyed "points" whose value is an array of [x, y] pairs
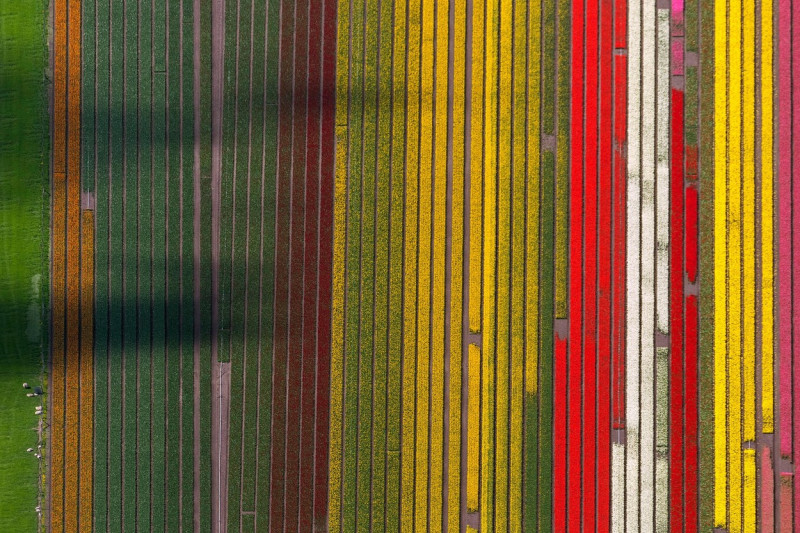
{"points": [[425, 265]]}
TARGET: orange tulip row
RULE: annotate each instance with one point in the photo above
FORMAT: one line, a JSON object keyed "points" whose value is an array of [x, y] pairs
{"points": [[86, 372], [72, 358], [57, 377]]}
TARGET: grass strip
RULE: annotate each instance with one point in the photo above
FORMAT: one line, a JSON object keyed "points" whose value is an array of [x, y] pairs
{"points": [[60, 87]]}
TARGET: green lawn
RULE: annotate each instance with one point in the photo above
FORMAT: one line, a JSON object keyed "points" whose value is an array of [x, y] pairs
{"points": [[24, 219]]}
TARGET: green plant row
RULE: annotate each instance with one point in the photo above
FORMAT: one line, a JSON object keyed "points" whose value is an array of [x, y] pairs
{"points": [[353, 265]]}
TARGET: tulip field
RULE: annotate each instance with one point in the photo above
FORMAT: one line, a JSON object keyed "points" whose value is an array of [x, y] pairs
{"points": [[410, 265]]}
